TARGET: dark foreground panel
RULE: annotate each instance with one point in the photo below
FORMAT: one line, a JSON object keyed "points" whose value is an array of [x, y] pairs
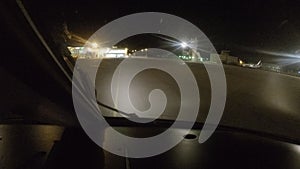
{"points": [[52, 147]]}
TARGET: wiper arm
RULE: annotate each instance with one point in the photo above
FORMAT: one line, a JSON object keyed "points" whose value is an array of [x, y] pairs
{"points": [[116, 110]]}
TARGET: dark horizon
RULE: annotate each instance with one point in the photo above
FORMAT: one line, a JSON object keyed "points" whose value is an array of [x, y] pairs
{"points": [[244, 28]]}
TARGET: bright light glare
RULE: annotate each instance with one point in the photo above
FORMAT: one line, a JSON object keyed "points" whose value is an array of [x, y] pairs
{"points": [[94, 45], [279, 54], [183, 44], [297, 148]]}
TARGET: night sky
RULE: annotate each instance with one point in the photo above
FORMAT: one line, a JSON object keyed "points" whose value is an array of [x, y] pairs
{"points": [[250, 29]]}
